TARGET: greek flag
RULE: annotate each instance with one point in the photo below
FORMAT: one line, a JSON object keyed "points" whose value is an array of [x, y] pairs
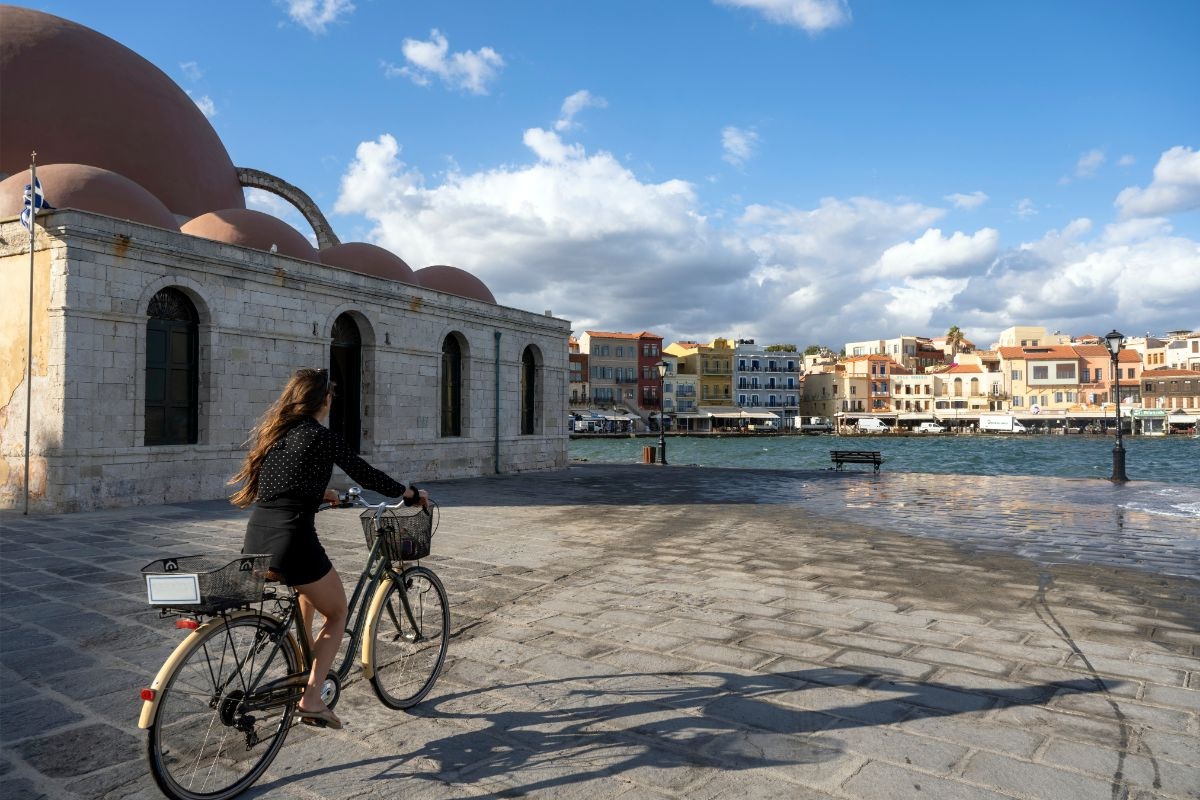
{"points": [[35, 201]]}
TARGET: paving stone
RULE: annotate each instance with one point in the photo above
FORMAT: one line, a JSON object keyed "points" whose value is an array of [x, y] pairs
{"points": [[1023, 778], [879, 781], [878, 664], [958, 658], [33, 717], [1168, 777], [78, 751]]}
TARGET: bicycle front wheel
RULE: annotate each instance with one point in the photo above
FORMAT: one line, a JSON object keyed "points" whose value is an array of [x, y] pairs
{"points": [[410, 631], [205, 743]]}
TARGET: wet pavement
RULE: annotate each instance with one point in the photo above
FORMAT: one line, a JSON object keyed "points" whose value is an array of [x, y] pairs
{"points": [[639, 631]]}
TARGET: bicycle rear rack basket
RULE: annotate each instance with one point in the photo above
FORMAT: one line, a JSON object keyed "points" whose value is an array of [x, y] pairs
{"points": [[205, 584], [407, 532]]}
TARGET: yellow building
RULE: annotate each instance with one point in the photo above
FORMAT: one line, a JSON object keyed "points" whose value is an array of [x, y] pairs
{"points": [[714, 367]]}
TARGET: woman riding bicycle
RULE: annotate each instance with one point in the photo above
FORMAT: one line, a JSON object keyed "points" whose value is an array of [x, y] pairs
{"points": [[284, 477]]}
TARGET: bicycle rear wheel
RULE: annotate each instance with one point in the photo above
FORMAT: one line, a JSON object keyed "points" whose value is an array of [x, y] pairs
{"points": [[204, 744], [406, 660]]}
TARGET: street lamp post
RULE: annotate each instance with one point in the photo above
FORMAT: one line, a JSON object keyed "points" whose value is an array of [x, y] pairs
{"points": [[662, 421], [1115, 340]]}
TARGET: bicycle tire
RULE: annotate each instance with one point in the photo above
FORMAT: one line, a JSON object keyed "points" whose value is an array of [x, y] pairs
{"points": [[195, 747], [404, 666]]}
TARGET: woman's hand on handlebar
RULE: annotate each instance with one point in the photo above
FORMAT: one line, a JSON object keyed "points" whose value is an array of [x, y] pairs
{"points": [[333, 498]]}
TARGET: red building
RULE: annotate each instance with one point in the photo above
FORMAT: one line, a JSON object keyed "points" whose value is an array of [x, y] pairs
{"points": [[649, 354]]}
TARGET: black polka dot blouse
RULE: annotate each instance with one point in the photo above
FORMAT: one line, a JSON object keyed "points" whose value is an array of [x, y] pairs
{"points": [[298, 467]]}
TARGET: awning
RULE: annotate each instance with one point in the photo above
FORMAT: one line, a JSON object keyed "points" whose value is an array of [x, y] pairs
{"points": [[620, 417], [693, 415], [1180, 418], [913, 415]]}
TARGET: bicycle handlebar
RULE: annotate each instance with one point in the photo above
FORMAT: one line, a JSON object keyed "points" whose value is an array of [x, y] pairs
{"points": [[353, 497]]}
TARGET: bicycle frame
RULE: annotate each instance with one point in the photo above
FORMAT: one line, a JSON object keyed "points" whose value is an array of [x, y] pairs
{"points": [[284, 690]]}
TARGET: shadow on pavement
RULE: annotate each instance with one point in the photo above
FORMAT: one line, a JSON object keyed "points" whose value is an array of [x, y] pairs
{"points": [[716, 720]]}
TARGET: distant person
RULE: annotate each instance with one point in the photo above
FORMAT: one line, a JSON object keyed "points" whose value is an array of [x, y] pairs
{"points": [[284, 477]]}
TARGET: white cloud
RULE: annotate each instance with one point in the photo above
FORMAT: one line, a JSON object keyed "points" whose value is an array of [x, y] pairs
{"points": [[739, 144], [581, 233], [191, 70], [1126, 161], [813, 16], [968, 201], [1088, 163], [573, 105], [1176, 187], [317, 15], [204, 103], [470, 70], [1025, 208], [938, 255]]}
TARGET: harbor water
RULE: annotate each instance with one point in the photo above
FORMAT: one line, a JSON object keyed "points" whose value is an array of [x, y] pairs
{"points": [[1164, 471]]}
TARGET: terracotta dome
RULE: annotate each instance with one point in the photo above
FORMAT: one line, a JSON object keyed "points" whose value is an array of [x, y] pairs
{"points": [[77, 97], [453, 280], [88, 189], [369, 260], [249, 228]]}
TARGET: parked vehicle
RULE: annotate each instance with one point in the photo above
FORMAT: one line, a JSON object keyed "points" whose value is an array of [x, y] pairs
{"points": [[872, 425], [930, 427], [1000, 423], [816, 425]]}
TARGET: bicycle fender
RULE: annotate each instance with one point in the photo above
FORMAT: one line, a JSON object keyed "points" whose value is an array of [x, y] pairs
{"points": [[150, 707], [368, 645]]}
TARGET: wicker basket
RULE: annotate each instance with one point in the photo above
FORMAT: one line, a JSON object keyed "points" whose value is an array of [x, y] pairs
{"points": [[407, 532], [206, 584]]}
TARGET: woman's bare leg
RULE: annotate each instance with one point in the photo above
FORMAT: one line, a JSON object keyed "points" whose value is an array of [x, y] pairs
{"points": [[327, 596]]}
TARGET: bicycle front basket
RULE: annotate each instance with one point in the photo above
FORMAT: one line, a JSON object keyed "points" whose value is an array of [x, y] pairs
{"points": [[205, 584], [407, 532]]}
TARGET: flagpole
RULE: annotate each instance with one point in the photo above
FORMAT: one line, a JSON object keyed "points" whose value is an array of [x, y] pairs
{"points": [[29, 354]]}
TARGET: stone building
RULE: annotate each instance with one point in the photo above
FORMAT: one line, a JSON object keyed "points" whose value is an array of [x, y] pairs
{"points": [[166, 316]]}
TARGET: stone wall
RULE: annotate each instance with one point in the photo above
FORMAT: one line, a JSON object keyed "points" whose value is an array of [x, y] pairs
{"points": [[262, 316]]}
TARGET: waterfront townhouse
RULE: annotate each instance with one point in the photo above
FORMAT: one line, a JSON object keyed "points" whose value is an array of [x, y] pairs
{"points": [[766, 378], [1171, 388], [971, 387], [612, 367], [1041, 378], [877, 369], [913, 393], [835, 394], [1152, 349], [577, 375], [915, 353], [649, 354], [1095, 366], [714, 367]]}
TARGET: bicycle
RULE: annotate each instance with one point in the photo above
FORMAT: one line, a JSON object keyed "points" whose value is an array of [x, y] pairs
{"points": [[223, 702]]}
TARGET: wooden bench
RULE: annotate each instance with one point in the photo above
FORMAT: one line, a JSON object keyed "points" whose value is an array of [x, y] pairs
{"points": [[840, 457]]}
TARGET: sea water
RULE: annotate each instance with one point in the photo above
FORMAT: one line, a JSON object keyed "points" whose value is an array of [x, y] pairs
{"points": [[1166, 459]]}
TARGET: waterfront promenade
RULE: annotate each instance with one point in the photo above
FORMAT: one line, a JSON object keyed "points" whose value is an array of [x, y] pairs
{"points": [[638, 631]]}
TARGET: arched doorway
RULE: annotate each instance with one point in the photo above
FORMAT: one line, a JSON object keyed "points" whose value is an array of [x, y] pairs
{"points": [[172, 369], [345, 369], [451, 389], [530, 391]]}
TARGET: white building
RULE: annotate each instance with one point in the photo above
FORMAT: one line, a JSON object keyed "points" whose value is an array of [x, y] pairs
{"points": [[768, 380]]}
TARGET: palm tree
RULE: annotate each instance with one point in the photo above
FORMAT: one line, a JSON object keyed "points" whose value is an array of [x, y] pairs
{"points": [[954, 338]]}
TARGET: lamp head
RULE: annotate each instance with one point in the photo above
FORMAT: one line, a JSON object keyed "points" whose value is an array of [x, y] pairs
{"points": [[1114, 340], [662, 369]]}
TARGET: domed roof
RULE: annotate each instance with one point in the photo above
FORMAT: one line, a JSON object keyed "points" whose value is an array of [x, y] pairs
{"points": [[249, 228], [77, 97], [88, 189], [453, 280], [369, 260]]}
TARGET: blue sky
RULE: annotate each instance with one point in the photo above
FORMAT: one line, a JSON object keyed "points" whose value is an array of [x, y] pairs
{"points": [[791, 170]]}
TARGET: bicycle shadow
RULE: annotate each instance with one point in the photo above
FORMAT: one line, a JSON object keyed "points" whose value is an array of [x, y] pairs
{"points": [[577, 729]]}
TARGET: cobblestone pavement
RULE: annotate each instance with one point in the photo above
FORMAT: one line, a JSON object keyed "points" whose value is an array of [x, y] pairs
{"points": [[633, 631]]}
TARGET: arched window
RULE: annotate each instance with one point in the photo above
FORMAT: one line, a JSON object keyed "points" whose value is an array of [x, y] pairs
{"points": [[958, 387], [172, 369], [530, 391], [451, 387], [345, 370]]}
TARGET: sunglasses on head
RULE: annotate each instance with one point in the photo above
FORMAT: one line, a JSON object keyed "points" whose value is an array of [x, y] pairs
{"points": [[329, 384]]}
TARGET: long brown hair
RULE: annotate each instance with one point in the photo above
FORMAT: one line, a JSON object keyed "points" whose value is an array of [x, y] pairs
{"points": [[302, 397]]}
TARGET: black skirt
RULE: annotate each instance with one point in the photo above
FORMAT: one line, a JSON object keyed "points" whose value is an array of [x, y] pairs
{"points": [[289, 535]]}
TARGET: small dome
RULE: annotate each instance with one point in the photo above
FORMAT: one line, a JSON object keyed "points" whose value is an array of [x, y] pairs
{"points": [[453, 280], [88, 189], [249, 228], [78, 97], [369, 260]]}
